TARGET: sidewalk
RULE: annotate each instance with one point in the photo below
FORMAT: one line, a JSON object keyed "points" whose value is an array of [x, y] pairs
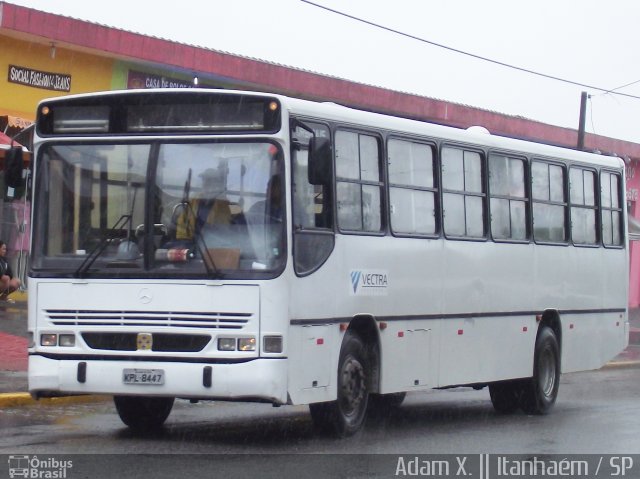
{"points": [[13, 352]]}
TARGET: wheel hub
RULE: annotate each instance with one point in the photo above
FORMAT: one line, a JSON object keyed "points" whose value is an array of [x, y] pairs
{"points": [[352, 385]]}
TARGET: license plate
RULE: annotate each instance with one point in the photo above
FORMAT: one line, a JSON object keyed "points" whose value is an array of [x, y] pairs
{"points": [[153, 377]]}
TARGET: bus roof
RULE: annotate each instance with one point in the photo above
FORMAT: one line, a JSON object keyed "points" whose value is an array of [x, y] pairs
{"points": [[360, 118], [472, 136]]}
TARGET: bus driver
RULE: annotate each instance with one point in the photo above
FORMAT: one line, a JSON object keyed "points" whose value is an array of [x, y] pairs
{"points": [[209, 208]]}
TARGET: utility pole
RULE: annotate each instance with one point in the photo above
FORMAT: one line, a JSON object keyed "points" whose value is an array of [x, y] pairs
{"points": [[583, 119]]}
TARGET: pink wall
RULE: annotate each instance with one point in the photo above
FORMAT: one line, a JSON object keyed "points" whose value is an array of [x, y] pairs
{"points": [[633, 201]]}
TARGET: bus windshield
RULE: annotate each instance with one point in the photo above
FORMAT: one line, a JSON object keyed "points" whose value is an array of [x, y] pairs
{"points": [[159, 209]]}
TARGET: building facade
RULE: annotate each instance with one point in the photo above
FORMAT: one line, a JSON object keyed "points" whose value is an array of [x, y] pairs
{"points": [[44, 55]]}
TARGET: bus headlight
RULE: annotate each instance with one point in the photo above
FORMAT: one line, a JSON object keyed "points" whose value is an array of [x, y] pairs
{"points": [[226, 344], [48, 340], [67, 340], [247, 344], [273, 344]]}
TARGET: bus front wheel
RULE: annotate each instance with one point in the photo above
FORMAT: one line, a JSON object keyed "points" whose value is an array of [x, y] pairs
{"points": [[347, 414], [143, 413], [540, 392]]}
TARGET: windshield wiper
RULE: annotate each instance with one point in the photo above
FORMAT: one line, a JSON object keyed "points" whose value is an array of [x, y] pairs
{"points": [[112, 234], [199, 241], [200, 244]]}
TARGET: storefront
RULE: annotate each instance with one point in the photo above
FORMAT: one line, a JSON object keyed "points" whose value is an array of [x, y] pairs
{"points": [[35, 71]]}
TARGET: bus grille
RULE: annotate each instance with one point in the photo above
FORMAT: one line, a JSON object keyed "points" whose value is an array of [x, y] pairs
{"points": [[173, 343], [208, 320]]}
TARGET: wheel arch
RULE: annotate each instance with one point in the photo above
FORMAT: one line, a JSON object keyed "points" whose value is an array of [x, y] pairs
{"points": [[366, 327], [551, 319]]}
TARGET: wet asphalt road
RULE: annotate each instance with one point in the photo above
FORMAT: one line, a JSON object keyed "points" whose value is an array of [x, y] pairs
{"points": [[597, 412]]}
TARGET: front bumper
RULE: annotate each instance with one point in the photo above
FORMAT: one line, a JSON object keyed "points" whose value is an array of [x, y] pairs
{"points": [[255, 380]]}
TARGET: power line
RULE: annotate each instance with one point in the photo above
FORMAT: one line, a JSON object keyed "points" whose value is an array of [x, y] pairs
{"points": [[620, 87], [593, 126], [472, 55]]}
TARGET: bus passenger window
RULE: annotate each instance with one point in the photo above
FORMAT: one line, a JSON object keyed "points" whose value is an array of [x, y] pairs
{"points": [[464, 195], [508, 198], [582, 184], [549, 203], [611, 209], [358, 182], [411, 188]]}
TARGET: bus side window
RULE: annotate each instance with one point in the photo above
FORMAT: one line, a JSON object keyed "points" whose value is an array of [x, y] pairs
{"points": [[463, 193], [582, 185], [359, 189], [311, 203], [313, 237], [412, 188], [508, 198], [610, 193], [549, 202]]}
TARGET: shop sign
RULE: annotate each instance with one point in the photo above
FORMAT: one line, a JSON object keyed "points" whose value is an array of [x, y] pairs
{"points": [[39, 79], [146, 80], [632, 194]]}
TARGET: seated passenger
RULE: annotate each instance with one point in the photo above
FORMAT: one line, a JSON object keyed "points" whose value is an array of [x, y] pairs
{"points": [[209, 208]]}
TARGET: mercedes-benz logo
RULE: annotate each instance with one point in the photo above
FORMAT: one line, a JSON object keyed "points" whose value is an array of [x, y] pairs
{"points": [[145, 296]]}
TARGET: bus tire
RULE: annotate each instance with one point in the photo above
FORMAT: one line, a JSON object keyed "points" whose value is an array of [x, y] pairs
{"points": [[505, 395], [539, 393], [346, 415], [381, 405], [143, 413]]}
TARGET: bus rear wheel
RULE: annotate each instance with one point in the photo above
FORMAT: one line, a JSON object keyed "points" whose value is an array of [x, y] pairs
{"points": [[143, 413], [540, 392], [347, 414], [505, 395]]}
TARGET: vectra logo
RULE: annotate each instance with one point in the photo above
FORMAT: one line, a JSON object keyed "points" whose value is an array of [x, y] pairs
{"points": [[355, 279], [369, 282]]}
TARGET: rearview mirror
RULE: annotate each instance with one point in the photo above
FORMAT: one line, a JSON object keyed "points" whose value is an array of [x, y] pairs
{"points": [[320, 164], [13, 166]]}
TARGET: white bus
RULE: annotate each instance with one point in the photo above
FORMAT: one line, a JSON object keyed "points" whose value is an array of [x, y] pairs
{"points": [[355, 257]]}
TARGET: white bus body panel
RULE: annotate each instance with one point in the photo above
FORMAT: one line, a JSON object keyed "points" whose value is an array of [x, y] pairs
{"points": [[479, 301], [205, 307]]}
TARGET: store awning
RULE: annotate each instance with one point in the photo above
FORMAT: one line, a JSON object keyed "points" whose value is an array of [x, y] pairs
{"points": [[10, 121], [5, 140], [633, 227]]}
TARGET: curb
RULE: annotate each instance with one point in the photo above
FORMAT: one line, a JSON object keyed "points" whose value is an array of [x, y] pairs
{"points": [[622, 364], [9, 400]]}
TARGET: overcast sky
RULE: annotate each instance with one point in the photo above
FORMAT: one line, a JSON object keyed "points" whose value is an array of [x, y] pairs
{"points": [[587, 41]]}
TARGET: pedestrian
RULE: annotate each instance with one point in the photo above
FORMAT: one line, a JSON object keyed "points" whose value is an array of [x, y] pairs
{"points": [[8, 284]]}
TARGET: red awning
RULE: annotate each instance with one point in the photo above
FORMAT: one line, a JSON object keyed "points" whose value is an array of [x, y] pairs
{"points": [[5, 140]]}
